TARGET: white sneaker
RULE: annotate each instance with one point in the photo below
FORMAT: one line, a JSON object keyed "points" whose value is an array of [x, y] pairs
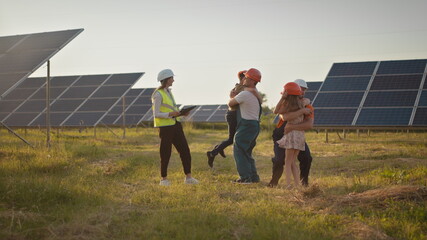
{"points": [[191, 181], [165, 182]]}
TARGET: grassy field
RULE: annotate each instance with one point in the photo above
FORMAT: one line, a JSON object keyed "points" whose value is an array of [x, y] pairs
{"points": [[361, 187]]}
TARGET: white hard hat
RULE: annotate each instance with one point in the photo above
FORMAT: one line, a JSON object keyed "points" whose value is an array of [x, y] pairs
{"points": [[165, 73], [301, 83]]}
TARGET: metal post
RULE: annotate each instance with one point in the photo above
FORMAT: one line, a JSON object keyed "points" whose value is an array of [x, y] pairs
{"points": [[48, 105], [124, 118], [345, 133], [326, 131], [94, 132]]}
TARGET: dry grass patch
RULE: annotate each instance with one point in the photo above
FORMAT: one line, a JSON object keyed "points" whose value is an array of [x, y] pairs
{"points": [[361, 231], [376, 197]]}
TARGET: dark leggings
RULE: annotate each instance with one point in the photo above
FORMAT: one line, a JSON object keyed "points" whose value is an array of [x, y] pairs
{"points": [[231, 118], [173, 135]]}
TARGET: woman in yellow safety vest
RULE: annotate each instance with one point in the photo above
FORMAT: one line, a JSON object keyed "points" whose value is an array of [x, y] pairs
{"points": [[167, 119]]}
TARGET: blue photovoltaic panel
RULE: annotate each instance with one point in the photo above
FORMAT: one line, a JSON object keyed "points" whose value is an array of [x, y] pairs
{"points": [[420, 118], [56, 118], [32, 106], [423, 99], [345, 83], [91, 80], [62, 81], [109, 119], [402, 67], [137, 104], [85, 101], [148, 92], [41, 93], [391, 99], [23, 54], [391, 82], [20, 119], [8, 106], [84, 119], [79, 92], [313, 86], [8, 42], [334, 117], [347, 99], [310, 95], [122, 79], [94, 105], [138, 109], [356, 69], [384, 117], [110, 91], [134, 92], [32, 83], [20, 94], [68, 105]]}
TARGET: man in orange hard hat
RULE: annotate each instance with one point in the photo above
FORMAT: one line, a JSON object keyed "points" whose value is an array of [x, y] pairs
{"points": [[248, 116]]}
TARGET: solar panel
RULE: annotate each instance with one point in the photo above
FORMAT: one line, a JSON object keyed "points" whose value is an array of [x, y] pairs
{"points": [[71, 105], [384, 117], [310, 95], [137, 104], [396, 82], [356, 68], [420, 118], [21, 55], [423, 99], [402, 66], [346, 83], [347, 99], [391, 99], [334, 117], [383, 93], [313, 86]]}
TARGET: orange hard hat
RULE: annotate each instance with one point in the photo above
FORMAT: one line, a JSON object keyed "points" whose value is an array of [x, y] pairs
{"points": [[241, 74], [253, 74], [292, 89]]}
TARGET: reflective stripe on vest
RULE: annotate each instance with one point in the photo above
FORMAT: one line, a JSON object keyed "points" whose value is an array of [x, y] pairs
{"points": [[168, 105]]}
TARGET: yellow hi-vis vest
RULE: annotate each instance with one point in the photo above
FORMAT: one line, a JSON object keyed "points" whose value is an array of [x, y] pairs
{"points": [[168, 105]]}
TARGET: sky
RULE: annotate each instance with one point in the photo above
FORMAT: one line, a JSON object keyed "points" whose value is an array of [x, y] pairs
{"points": [[206, 42]]}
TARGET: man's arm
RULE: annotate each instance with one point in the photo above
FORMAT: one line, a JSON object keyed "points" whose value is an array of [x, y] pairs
{"points": [[307, 124], [233, 102]]}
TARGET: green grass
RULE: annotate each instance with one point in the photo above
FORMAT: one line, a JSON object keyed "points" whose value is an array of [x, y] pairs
{"points": [[361, 187]]}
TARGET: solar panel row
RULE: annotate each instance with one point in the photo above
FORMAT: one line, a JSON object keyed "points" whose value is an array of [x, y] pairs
{"points": [[75, 100], [21, 55], [386, 93]]}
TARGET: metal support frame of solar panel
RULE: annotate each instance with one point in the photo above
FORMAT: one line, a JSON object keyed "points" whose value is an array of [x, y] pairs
{"points": [[137, 104], [75, 100], [21, 55], [385, 93]]}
